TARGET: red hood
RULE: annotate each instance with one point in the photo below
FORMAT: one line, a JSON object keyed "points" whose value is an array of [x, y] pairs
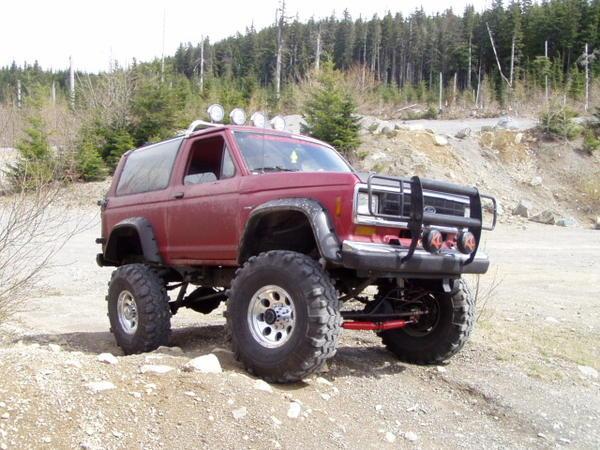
{"points": [[295, 180]]}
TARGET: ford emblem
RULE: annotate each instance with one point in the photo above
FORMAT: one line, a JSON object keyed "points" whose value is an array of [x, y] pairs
{"points": [[429, 209]]}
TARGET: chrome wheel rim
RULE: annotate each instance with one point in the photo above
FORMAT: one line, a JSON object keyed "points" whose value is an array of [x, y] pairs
{"points": [[271, 316], [127, 312]]}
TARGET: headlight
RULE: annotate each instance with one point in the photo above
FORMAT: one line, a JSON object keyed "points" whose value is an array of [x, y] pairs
{"points": [[362, 205]]}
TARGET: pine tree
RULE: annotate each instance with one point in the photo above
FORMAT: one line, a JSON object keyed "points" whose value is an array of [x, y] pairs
{"points": [[36, 163], [330, 112]]}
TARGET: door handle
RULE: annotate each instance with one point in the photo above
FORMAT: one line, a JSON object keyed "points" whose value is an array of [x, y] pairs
{"points": [[178, 195]]}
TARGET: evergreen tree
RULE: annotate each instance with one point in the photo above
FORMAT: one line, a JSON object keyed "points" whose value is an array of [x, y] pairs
{"points": [[36, 163], [330, 112]]}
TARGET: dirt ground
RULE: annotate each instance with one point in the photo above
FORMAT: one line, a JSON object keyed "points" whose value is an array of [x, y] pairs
{"points": [[517, 384]]}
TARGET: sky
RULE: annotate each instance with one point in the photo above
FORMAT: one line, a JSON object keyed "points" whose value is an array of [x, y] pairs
{"points": [[94, 33]]}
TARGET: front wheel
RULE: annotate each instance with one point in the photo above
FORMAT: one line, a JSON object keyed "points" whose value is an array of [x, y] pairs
{"points": [[138, 309], [283, 316], [439, 334]]}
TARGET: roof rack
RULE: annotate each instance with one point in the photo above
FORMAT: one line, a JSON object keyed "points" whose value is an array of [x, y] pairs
{"points": [[202, 124]]}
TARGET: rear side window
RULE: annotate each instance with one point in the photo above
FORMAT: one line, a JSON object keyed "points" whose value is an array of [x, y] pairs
{"points": [[148, 169]]}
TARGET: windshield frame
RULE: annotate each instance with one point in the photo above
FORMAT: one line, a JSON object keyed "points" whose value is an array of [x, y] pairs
{"points": [[303, 139]]}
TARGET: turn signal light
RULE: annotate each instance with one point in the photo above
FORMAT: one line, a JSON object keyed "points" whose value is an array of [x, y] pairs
{"points": [[433, 241], [466, 242]]}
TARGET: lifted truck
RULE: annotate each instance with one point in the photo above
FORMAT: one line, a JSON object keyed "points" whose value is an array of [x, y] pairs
{"points": [[281, 228]]}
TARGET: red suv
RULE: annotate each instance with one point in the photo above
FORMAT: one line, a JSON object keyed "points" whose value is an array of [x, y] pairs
{"points": [[281, 228]]}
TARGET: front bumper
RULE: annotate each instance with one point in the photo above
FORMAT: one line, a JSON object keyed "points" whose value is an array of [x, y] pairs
{"points": [[372, 258]]}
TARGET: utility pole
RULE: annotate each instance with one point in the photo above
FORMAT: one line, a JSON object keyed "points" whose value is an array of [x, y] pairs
{"points": [[162, 58], [280, 24], [546, 77], [53, 93], [318, 54], [512, 58], [71, 82], [18, 93], [587, 79], [470, 60], [440, 103], [202, 65]]}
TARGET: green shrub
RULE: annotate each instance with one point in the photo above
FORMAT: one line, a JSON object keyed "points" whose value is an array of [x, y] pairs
{"points": [[89, 163], [591, 142], [116, 142], [330, 112], [556, 121]]}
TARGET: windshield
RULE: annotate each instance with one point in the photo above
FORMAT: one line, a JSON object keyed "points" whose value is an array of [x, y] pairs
{"points": [[274, 153]]}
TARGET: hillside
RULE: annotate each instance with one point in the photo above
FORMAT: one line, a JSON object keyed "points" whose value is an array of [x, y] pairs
{"points": [[511, 161]]}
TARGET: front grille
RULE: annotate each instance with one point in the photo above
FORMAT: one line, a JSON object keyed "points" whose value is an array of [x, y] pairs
{"points": [[390, 204]]}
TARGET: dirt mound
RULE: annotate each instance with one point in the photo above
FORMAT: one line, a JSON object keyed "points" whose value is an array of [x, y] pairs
{"points": [[511, 146], [512, 165]]}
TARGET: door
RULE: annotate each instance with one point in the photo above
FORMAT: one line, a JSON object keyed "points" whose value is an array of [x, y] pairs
{"points": [[203, 215]]}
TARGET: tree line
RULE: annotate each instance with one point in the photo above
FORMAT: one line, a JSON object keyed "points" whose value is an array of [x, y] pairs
{"points": [[409, 50], [505, 43]]}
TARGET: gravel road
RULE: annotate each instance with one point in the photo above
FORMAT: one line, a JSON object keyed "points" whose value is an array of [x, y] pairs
{"points": [[517, 384]]}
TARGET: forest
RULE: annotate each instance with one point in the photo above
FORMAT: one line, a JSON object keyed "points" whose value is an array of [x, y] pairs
{"points": [[396, 50], [516, 57]]}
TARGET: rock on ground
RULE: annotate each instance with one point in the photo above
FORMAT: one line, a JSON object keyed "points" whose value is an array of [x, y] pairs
{"points": [[204, 364], [588, 372], [294, 410], [546, 217], [567, 222], [156, 369], [100, 386], [107, 358], [523, 209]]}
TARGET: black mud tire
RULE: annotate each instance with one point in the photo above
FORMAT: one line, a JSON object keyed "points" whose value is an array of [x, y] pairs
{"points": [[456, 319], [318, 320], [153, 312]]}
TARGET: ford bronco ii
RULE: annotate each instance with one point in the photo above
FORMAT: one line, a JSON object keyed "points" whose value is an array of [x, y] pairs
{"points": [[283, 230]]}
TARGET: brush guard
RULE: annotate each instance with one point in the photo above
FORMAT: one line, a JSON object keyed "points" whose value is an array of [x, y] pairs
{"points": [[418, 218]]}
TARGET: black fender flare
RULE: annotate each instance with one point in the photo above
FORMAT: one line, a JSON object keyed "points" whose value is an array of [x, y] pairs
{"points": [[143, 228], [327, 241]]}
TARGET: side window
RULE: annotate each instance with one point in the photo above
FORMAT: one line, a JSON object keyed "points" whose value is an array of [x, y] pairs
{"points": [[209, 161], [148, 168]]}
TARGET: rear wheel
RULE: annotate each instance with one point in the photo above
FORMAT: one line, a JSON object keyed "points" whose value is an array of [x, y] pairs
{"points": [[138, 309], [439, 334], [283, 316]]}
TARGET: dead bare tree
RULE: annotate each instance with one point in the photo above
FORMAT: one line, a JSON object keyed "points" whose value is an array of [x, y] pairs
{"points": [[508, 82], [33, 228], [281, 20]]}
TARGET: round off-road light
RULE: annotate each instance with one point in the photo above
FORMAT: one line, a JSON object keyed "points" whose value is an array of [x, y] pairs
{"points": [[433, 240], [238, 116], [278, 123], [216, 112], [258, 119], [466, 242]]}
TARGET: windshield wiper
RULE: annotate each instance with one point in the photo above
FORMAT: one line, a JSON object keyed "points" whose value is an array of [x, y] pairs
{"points": [[273, 169]]}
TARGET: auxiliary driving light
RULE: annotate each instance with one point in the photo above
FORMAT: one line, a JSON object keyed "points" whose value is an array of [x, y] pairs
{"points": [[216, 112], [432, 240], [258, 119], [466, 242], [278, 123], [238, 116]]}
